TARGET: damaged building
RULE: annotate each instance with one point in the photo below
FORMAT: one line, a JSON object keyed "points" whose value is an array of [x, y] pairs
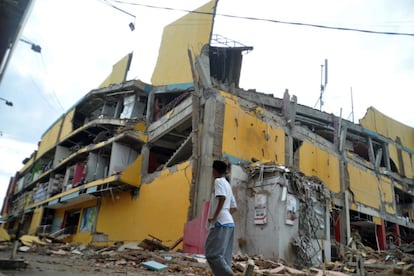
{"points": [[132, 159]]}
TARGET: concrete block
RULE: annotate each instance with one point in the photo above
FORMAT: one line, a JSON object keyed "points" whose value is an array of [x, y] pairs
{"points": [[151, 265]]}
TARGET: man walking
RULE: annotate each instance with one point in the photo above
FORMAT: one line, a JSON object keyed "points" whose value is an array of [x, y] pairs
{"points": [[219, 242]]}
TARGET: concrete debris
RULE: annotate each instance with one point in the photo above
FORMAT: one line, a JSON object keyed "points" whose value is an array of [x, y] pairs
{"points": [[76, 251], [152, 265], [29, 240], [59, 252], [131, 245], [155, 258], [24, 248], [153, 244], [358, 256]]}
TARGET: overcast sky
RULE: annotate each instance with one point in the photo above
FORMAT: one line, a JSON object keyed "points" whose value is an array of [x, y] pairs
{"points": [[82, 39]]}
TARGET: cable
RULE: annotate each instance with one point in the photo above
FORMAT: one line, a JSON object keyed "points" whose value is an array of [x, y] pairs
{"points": [[53, 91], [267, 20], [44, 97], [115, 7]]}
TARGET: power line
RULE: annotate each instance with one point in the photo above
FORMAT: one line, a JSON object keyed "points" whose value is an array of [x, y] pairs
{"points": [[115, 7], [268, 20], [131, 24], [51, 105], [53, 91]]}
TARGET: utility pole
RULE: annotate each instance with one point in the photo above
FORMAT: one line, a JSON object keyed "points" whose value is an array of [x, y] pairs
{"points": [[352, 106]]}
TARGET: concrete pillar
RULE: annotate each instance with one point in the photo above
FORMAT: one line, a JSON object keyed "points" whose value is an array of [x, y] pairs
{"points": [[145, 153], [380, 229], [345, 231], [202, 185], [337, 226], [396, 231], [289, 113], [150, 106]]}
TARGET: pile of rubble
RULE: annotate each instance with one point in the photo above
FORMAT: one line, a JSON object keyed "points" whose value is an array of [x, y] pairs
{"points": [[361, 259], [152, 255]]}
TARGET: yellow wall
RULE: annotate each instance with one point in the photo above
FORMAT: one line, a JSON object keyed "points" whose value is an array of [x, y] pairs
{"points": [[387, 194], [386, 126], [246, 136], [132, 174], [160, 209], [36, 220], [191, 31], [408, 164], [407, 160], [50, 138], [392, 149], [364, 185], [84, 237], [67, 126], [314, 161], [369, 190], [119, 71]]}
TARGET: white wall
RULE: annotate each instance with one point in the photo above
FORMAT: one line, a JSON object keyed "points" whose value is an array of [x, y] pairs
{"points": [[60, 154], [272, 239], [121, 157]]}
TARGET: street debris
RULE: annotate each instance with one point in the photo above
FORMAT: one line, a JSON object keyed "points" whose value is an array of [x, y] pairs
{"points": [[29, 240], [153, 256], [152, 265]]}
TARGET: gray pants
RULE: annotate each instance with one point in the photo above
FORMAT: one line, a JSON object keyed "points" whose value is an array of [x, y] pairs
{"points": [[219, 247]]}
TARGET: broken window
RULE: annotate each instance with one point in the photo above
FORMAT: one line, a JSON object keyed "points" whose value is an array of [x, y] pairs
{"points": [[363, 229], [405, 205], [361, 149], [88, 219], [71, 221], [226, 62], [46, 222], [98, 164], [133, 107], [74, 175], [407, 236], [129, 104], [165, 102]]}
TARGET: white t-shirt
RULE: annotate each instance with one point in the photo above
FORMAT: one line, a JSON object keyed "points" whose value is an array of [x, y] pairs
{"points": [[222, 188]]}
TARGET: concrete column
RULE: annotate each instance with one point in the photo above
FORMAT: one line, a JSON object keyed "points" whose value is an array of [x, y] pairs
{"points": [[380, 229], [337, 227], [345, 231], [150, 106], [145, 153], [400, 157], [289, 113], [202, 185], [396, 231]]}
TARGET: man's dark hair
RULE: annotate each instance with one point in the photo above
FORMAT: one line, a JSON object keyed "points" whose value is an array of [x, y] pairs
{"points": [[219, 166]]}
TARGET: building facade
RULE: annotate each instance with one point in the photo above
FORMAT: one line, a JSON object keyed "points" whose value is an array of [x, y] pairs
{"points": [[132, 159]]}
